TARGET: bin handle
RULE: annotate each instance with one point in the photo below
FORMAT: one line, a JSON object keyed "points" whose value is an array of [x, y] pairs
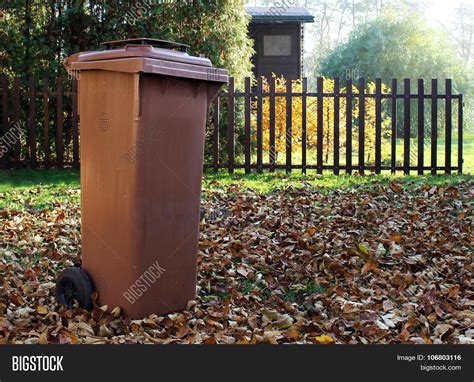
{"points": [[148, 41]]}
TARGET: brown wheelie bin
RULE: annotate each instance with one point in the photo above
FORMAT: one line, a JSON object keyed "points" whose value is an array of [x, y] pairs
{"points": [[143, 106]]}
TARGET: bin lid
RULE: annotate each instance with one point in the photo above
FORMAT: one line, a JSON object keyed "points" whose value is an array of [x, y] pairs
{"points": [[148, 56], [148, 41]]}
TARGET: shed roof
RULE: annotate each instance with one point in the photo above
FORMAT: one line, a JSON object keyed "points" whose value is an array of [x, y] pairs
{"points": [[280, 14]]}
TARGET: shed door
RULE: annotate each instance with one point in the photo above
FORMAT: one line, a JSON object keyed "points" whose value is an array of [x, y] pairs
{"points": [[278, 50]]}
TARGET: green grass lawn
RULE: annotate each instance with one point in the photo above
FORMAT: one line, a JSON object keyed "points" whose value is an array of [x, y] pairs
{"points": [[46, 188], [40, 188], [468, 154], [268, 182]]}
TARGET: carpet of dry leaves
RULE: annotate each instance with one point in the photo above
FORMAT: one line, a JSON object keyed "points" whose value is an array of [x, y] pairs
{"points": [[380, 264]]}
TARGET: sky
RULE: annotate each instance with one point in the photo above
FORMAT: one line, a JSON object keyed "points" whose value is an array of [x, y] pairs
{"points": [[439, 12]]}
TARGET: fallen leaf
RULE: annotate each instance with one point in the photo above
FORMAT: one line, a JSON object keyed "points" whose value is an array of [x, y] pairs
{"points": [[324, 339], [42, 310], [370, 266]]}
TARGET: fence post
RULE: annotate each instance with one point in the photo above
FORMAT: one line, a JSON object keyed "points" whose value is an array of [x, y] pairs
{"points": [[32, 122], [247, 126], [434, 126], [75, 125], [336, 124], [304, 134], [215, 143], [460, 133], [361, 126], [393, 155], [449, 126], [289, 127], [259, 124], [59, 123], [46, 121], [6, 154], [421, 126], [16, 107], [406, 127], [349, 127], [378, 125], [319, 146]]}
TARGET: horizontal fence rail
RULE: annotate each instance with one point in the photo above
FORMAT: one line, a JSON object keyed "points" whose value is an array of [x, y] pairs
{"points": [[341, 127]]}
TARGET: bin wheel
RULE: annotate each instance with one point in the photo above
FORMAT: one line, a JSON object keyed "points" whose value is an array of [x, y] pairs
{"points": [[74, 284]]}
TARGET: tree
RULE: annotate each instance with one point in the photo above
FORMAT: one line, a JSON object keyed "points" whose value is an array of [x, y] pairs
{"points": [[334, 20], [463, 30], [400, 46], [38, 35], [396, 46]]}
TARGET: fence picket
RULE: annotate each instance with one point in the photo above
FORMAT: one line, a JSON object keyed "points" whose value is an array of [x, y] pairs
{"points": [[406, 127], [361, 126], [319, 146], [75, 126], [32, 122], [273, 150], [434, 126], [247, 147], [17, 117], [59, 123], [349, 127], [289, 127], [5, 115], [421, 126], [449, 127], [46, 121], [216, 134], [378, 125], [259, 124], [336, 125], [393, 154], [460, 134], [304, 133]]}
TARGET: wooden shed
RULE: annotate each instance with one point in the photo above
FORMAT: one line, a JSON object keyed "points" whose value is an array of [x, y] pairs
{"points": [[278, 35]]}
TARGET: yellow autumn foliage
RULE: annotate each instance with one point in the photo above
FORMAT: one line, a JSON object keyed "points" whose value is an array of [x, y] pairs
{"points": [[311, 119]]}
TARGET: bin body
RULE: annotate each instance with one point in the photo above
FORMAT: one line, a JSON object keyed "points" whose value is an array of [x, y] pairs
{"points": [[142, 144]]}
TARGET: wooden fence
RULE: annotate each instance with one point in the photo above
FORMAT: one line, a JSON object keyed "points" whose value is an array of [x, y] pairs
{"points": [[253, 152], [48, 121], [28, 134]]}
